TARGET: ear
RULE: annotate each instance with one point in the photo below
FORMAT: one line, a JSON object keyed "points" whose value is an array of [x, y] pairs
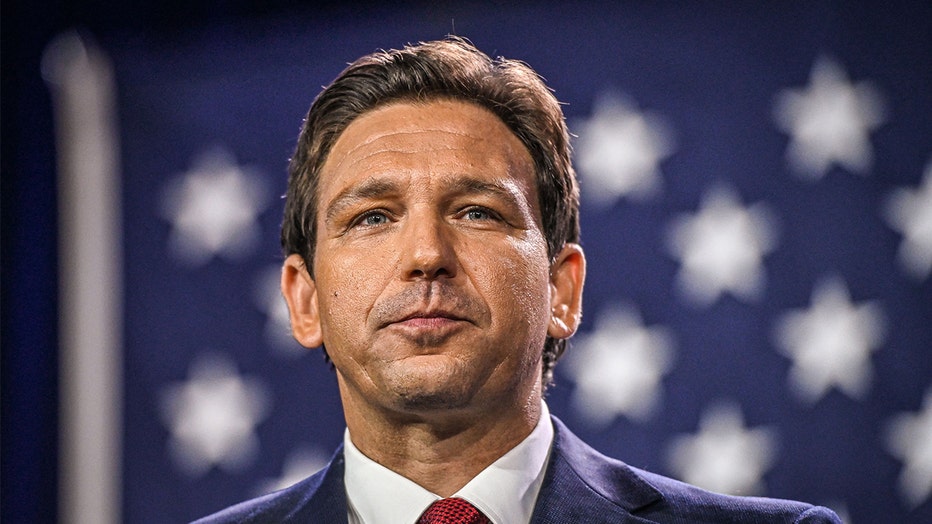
{"points": [[567, 274], [300, 292]]}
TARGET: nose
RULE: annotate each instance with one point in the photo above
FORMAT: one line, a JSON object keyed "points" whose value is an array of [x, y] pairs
{"points": [[428, 253]]}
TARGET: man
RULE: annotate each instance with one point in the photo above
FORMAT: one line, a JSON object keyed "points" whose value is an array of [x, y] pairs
{"points": [[431, 234]]}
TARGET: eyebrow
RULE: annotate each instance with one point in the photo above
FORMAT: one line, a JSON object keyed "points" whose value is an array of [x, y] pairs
{"points": [[468, 185], [370, 189]]}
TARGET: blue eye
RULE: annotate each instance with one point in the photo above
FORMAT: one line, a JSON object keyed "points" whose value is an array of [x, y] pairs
{"points": [[373, 218], [478, 214]]}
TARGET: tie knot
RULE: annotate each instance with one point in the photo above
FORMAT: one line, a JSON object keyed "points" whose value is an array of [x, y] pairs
{"points": [[452, 511]]}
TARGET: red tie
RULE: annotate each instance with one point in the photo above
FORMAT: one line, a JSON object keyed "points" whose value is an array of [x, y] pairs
{"points": [[452, 511]]}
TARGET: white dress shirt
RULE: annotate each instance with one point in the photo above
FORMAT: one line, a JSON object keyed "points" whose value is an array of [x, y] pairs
{"points": [[505, 491]]}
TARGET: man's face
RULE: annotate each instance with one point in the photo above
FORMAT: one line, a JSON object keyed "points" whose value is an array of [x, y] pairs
{"points": [[432, 288]]}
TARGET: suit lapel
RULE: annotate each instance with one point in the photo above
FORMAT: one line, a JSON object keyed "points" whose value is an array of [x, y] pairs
{"points": [[324, 495], [581, 485]]}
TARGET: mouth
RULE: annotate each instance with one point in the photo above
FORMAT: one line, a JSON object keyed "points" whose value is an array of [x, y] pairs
{"points": [[428, 319], [427, 328], [428, 314]]}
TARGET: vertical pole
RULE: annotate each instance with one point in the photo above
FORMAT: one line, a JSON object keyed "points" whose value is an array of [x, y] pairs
{"points": [[80, 78]]}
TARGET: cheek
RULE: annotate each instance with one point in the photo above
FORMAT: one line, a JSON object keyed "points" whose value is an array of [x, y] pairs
{"points": [[521, 286], [347, 292]]}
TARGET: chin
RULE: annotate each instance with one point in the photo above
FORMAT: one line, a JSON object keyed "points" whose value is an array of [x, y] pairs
{"points": [[423, 400], [432, 388]]}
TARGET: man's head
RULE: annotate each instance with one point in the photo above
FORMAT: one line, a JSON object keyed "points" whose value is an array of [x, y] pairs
{"points": [[451, 69]]}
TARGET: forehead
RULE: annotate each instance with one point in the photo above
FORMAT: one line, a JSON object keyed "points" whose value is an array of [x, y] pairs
{"points": [[438, 138]]}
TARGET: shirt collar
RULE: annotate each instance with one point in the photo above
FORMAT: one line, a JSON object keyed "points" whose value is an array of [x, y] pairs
{"points": [[505, 491]]}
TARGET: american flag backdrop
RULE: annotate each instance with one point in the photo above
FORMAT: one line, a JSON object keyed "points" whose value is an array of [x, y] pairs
{"points": [[756, 213]]}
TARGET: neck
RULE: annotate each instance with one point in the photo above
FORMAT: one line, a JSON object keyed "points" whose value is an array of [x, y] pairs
{"points": [[441, 450]]}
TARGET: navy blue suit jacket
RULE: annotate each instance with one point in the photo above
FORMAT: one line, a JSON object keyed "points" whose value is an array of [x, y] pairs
{"points": [[581, 485]]}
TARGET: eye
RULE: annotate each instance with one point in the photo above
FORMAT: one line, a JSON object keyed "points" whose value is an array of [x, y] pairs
{"points": [[372, 219], [479, 213]]}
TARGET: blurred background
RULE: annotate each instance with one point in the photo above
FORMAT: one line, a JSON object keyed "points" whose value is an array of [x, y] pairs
{"points": [[756, 211]]}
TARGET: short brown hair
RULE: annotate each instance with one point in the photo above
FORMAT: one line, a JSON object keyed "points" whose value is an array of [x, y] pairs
{"points": [[450, 68]]}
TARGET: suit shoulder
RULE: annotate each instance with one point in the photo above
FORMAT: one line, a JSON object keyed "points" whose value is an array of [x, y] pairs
{"points": [[694, 504], [319, 498], [274, 507], [583, 485]]}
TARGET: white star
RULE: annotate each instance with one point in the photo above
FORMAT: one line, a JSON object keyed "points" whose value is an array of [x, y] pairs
{"points": [[619, 150], [724, 456], [909, 438], [830, 121], [830, 343], [212, 417], [617, 368], [721, 248], [269, 300], [299, 465], [213, 209], [910, 213]]}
